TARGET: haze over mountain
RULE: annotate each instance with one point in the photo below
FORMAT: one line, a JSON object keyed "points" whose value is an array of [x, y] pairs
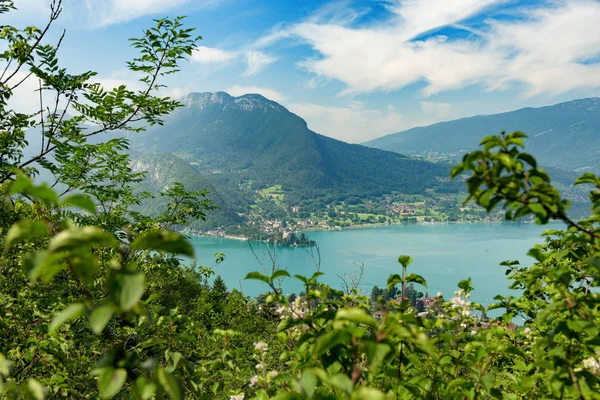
{"points": [[565, 135], [250, 140]]}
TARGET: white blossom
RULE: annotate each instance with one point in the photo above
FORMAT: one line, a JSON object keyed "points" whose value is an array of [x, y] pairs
{"points": [[273, 374], [461, 303], [262, 346], [254, 380], [592, 365], [237, 397]]}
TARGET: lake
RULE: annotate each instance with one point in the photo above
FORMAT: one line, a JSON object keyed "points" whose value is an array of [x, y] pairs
{"points": [[442, 253]]}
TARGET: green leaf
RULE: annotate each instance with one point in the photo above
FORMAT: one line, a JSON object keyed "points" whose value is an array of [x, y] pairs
{"points": [[35, 390], [99, 317], [328, 341], [129, 287], [393, 280], [537, 253], [23, 230], [365, 393], [538, 209], [72, 312], [456, 383], [170, 384], [356, 315], [376, 353], [279, 273], [341, 382], [143, 388], [151, 343], [165, 240], [84, 264], [80, 201], [490, 141], [517, 134], [111, 381], [528, 158], [588, 177], [74, 238], [258, 277], [505, 159], [19, 185], [173, 359], [405, 260], [4, 366], [44, 266], [495, 306], [308, 383], [416, 278], [459, 169], [44, 193]]}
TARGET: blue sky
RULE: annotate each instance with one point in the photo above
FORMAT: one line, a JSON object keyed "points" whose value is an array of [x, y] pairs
{"points": [[355, 70]]}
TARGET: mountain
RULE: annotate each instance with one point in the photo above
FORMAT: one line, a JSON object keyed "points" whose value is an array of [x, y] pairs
{"points": [[250, 142], [565, 135], [164, 169]]}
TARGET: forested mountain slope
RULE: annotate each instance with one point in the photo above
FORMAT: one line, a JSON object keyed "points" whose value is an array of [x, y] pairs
{"points": [[255, 142]]}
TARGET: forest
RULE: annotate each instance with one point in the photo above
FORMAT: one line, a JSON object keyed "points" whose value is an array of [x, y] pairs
{"points": [[97, 299]]}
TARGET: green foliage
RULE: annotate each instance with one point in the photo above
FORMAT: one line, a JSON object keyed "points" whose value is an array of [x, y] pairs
{"points": [[95, 303]]}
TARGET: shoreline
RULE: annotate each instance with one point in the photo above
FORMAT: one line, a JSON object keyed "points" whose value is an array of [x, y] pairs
{"points": [[374, 225], [379, 225]]}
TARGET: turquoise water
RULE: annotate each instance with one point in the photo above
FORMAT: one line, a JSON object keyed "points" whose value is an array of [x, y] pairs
{"points": [[442, 253]]}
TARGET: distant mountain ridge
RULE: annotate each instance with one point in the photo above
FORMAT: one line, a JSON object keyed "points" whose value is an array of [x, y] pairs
{"points": [[565, 135], [250, 140]]}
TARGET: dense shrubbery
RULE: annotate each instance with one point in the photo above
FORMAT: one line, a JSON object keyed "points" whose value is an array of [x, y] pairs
{"points": [[94, 301]]}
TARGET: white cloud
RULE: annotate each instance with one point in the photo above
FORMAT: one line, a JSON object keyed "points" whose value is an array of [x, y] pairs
{"points": [[99, 13], [266, 92], [435, 109], [212, 55], [547, 47], [256, 61], [36, 11], [551, 48], [353, 123], [420, 16], [109, 12], [25, 98]]}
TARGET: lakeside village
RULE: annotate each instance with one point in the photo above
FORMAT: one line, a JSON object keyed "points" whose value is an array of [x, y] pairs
{"points": [[288, 225]]}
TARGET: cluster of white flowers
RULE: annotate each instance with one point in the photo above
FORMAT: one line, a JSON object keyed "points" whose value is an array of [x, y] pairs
{"points": [[262, 377], [297, 309], [592, 365], [261, 346], [237, 397], [461, 302]]}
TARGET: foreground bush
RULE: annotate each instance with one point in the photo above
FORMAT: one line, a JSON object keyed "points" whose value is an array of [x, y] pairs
{"points": [[94, 301]]}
